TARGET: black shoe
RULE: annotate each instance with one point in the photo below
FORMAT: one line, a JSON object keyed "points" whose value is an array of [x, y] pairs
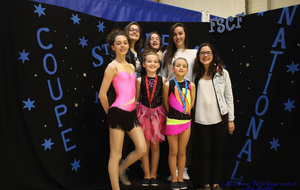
{"points": [[153, 182], [145, 182], [182, 185], [174, 185]]}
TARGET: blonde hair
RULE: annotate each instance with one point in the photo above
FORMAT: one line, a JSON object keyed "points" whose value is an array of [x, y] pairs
{"points": [[149, 53], [182, 59]]}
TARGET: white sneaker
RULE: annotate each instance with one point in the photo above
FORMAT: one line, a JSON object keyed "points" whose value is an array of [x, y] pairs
{"points": [[185, 174], [170, 177]]}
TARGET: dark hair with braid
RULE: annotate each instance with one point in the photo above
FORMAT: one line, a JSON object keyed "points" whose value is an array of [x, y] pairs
{"points": [[110, 38]]}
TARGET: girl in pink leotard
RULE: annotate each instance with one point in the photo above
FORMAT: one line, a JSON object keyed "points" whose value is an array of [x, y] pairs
{"points": [[179, 98], [121, 116], [124, 105]]}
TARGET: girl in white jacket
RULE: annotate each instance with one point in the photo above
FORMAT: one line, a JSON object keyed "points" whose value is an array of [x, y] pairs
{"points": [[214, 112]]}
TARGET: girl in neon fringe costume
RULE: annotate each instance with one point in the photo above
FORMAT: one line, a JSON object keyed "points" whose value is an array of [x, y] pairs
{"points": [[179, 98], [150, 113]]}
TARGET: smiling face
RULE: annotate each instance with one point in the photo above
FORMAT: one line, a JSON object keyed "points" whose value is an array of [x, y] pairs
{"points": [[180, 67], [134, 32], [155, 41], [179, 37], [120, 45], [151, 63], [206, 56]]}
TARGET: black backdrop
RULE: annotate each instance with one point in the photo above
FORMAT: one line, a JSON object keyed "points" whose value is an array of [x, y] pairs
{"points": [[53, 133]]}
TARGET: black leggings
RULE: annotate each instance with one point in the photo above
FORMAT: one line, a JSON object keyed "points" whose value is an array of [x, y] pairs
{"points": [[211, 141]]}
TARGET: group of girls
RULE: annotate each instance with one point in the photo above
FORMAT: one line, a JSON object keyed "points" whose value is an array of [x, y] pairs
{"points": [[155, 94]]}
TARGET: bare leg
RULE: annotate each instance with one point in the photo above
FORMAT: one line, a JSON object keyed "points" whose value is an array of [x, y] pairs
{"points": [[183, 141], [154, 159], [137, 136], [173, 151], [116, 138], [145, 162]]}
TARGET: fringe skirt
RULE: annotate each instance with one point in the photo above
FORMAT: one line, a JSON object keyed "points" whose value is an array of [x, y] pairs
{"points": [[152, 121], [122, 119]]}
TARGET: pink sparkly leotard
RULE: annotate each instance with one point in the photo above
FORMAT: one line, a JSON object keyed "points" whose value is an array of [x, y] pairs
{"points": [[122, 113], [124, 85]]}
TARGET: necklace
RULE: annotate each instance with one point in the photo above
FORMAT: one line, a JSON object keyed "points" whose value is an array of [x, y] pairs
{"points": [[185, 111], [153, 90]]}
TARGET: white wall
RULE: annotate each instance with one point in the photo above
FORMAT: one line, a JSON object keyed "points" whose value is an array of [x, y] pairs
{"points": [[255, 6], [225, 8], [276, 4], [221, 8]]}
